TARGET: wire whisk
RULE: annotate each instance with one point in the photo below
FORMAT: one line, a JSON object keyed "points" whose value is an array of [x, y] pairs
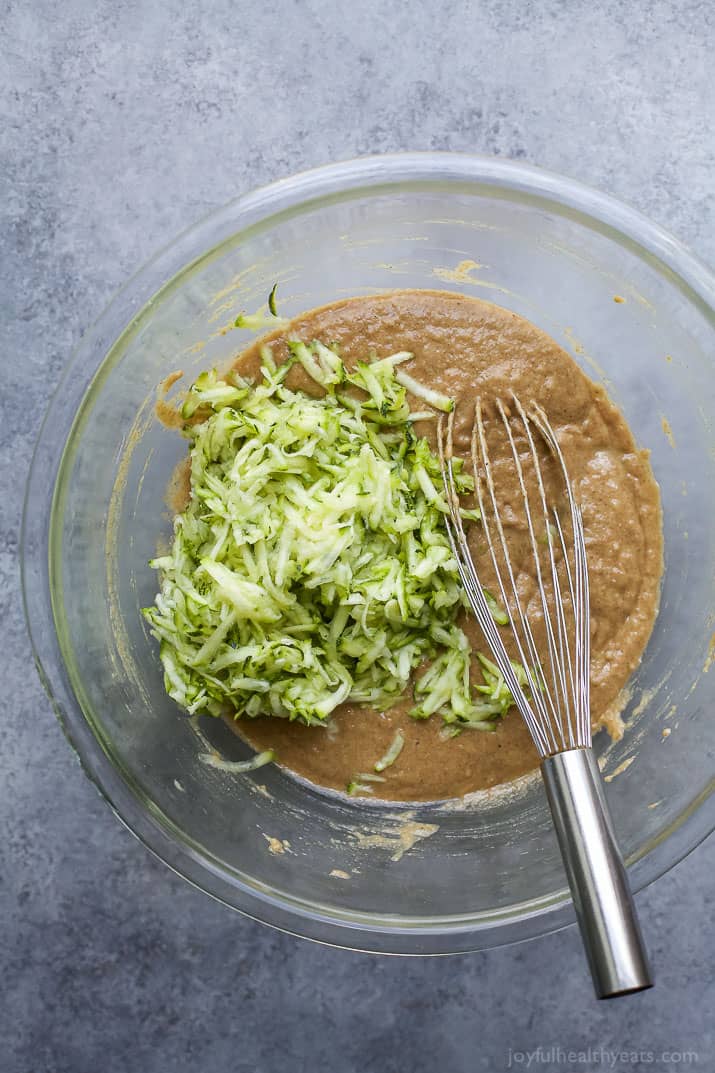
{"points": [[534, 546]]}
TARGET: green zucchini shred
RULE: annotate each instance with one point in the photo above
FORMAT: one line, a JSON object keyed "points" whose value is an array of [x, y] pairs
{"points": [[495, 609], [238, 766], [354, 787], [257, 322], [393, 751]]}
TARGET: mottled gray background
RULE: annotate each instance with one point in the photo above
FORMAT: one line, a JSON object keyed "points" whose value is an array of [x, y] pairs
{"points": [[121, 122]]}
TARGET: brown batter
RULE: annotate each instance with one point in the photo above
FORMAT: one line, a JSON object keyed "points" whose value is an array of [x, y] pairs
{"points": [[464, 347]]}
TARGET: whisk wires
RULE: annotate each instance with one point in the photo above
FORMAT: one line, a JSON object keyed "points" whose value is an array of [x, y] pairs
{"points": [[555, 702]]}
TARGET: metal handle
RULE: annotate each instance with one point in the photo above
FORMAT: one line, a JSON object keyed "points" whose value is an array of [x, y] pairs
{"points": [[596, 874]]}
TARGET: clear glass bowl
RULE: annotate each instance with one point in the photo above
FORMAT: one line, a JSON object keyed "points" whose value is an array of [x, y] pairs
{"points": [[546, 248]]}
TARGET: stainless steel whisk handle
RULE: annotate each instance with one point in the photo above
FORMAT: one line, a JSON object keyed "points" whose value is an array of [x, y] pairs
{"points": [[596, 873]]}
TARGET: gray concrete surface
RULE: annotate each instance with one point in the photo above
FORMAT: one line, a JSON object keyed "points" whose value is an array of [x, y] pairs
{"points": [[122, 122]]}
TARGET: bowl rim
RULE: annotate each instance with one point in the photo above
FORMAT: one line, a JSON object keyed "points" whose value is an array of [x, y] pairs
{"points": [[258, 208]]}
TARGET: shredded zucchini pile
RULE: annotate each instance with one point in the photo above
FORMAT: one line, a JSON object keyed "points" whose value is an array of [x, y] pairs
{"points": [[311, 565]]}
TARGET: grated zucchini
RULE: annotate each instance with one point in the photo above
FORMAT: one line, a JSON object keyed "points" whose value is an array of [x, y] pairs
{"points": [[311, 565]]}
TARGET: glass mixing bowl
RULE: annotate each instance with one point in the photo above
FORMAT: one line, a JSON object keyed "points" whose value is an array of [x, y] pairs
{"points": [[431, 878]]}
